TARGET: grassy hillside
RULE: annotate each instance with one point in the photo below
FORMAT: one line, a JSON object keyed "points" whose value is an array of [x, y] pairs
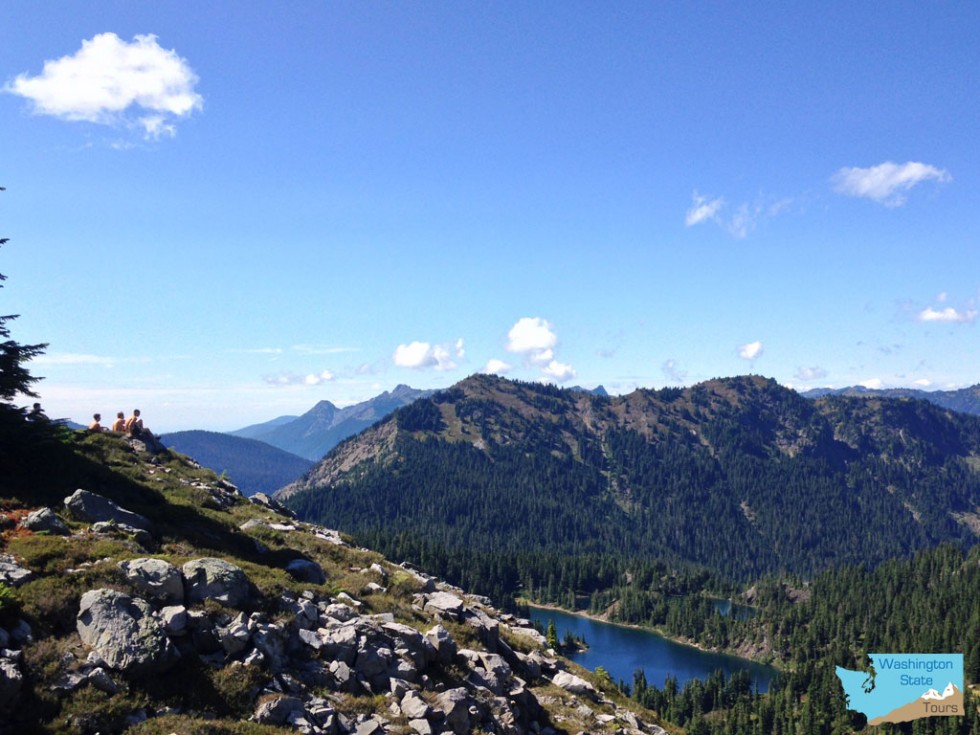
{"points": [[341, 651]]}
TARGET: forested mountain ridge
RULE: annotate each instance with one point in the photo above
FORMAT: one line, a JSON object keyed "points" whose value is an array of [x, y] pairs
{"points": [[739, 475], [254, 466]]}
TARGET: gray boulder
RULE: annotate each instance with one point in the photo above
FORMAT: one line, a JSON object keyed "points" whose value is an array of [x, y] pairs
{"points": [[413, 706], [455, 705], [44, 519], [574, 684], [13, 574], [276, 711], [304, 570], [124, 633], [444, 605], [155, 578], [86, 506], [442, 643], [215, 579]]}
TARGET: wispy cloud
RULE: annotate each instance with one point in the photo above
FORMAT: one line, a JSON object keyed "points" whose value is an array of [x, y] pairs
{"points": [[948, 315], [807, 374], [423, 355], [311, 379], [672, 371], [887, 183], [323, 350], [72, 358], [111, 82], [257, 351], [703, 209], [738, 221]]}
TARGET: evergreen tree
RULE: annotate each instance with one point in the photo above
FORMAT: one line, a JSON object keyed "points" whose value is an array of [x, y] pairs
{"points": [[14, 376]]}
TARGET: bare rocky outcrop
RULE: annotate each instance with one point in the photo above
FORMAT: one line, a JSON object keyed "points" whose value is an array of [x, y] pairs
{"points": [[215, 579], [44, 519], [12, 573], [124, 633], [90, 507], [156, 578]]}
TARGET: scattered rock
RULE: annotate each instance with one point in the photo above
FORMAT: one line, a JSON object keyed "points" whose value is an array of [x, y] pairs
{"points": [[277, 710], [124, 633], [307, 571], [272, 504], [455, 705], [44, 519], [574, 684], [86, 506], [444, 605], [13, 574], [156, 578], [215, 579]]}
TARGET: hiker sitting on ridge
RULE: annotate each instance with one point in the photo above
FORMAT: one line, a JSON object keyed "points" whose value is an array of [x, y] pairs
{"points": [[134, 424], [96, 425], [119, 425]]}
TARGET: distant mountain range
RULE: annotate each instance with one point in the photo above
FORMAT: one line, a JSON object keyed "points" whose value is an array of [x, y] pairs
{"points": [[254, 466], [324, 426], [964, 400], [738, 475], [264, 457]]}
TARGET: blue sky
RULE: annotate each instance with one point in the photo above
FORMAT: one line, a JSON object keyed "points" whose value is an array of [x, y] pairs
{"points": [[224, 212]]}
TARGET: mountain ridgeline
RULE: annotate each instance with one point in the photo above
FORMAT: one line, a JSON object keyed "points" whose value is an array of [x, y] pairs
{"points": [[324, 426], [254, 466], [504, 484]]}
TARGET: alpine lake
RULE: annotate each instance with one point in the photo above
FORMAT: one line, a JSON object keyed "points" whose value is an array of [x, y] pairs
{"points": [[622, 650]]}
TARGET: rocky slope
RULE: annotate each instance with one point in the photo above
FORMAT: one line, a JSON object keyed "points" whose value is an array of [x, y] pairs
{"points": [[157, 599]]}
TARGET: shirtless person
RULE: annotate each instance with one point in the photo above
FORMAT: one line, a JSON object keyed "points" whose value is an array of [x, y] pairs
{"points": [[119, 425], [134, 424], [96, 424]]}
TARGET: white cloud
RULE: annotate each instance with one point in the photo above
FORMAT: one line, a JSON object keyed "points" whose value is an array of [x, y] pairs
{"points": [[923, 382], [111, 82], [810, 373], [423, 355], [534, 337], [886, 183], [948, 315], [873, 383], [750, 351], [317, 378], [672, 370], [496, 367], [702, 209], [559, 371]]}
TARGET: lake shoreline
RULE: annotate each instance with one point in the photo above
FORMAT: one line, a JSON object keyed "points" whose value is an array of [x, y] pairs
{"points": [[680, 640]]}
